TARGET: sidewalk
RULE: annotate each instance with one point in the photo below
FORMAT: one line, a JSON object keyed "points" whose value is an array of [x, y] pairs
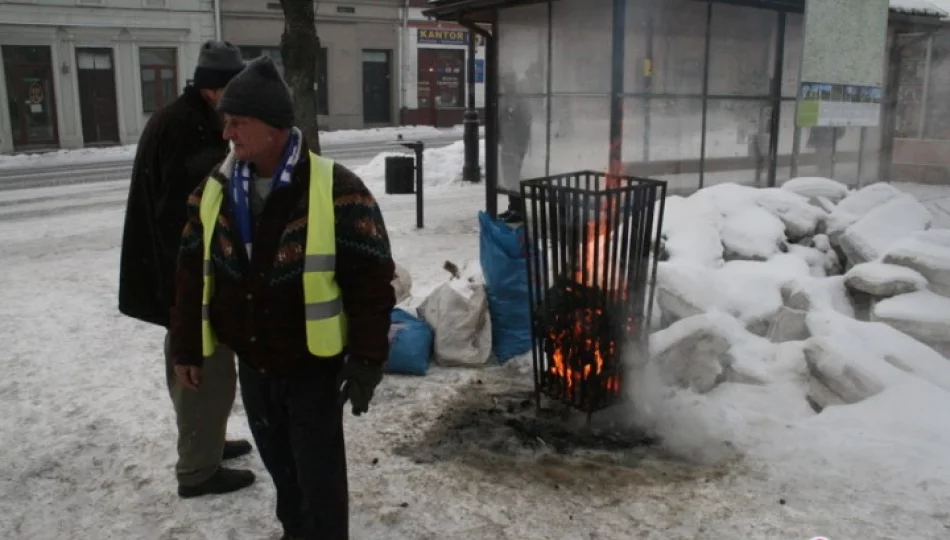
{"points": [[125, 154]]}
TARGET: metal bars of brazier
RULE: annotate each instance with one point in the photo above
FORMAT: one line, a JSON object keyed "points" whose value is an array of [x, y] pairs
{"points": [[592, 241]]}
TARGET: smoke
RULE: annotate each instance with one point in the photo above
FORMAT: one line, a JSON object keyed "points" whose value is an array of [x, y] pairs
{"points": [[690, 426]]}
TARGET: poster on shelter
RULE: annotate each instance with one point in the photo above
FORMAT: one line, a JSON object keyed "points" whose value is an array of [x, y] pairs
{"points": [[825, 104], [843, 57]]}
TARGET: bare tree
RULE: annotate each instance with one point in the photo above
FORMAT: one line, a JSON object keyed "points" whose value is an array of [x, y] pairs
{"points": [[298, 47]]}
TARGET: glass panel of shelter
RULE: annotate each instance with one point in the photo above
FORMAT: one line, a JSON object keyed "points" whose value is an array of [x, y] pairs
{"points": [[743, 106]]}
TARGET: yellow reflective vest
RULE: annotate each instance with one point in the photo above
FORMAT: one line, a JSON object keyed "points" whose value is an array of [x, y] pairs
{"points": [[326, 323]]}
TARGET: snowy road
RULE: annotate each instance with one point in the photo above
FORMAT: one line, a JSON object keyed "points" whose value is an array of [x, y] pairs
{"points": [[92, 193], [350, 153]]}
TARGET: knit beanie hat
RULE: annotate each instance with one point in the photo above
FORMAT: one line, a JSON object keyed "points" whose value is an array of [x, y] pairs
{"points": [[218, 63], [259, 92]]}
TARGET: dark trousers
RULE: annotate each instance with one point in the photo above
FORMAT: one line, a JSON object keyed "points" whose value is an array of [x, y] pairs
{"points": [[297, 423]]}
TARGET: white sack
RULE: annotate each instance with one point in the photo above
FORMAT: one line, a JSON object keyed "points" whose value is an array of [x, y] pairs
{"points": [[457, 310]]}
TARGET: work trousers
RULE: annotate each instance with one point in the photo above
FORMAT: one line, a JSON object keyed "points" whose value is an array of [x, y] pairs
{"points": [[202, 415]]}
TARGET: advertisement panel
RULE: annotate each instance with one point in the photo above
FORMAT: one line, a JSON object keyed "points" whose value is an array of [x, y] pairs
{"points": [[843, 57]]}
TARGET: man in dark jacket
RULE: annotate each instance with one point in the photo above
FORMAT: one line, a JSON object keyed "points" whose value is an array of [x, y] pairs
{"points": [[295, 276], [180, 144]]}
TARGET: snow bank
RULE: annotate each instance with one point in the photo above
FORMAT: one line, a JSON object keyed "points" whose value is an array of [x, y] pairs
{"points": [[921, 314], [856, 205], [817, 261], [79, 156], [750, 291], [800, 218], [691, 231], [872, 352], [814, 187], [871, 235], [927, 252], [441, 166], [691, 353], [752, 233], [709, 381], [126, 153], [818, 294], [881, 279]]}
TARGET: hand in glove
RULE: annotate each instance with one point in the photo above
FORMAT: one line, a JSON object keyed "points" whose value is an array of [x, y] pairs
{"points": [[359, 379]]}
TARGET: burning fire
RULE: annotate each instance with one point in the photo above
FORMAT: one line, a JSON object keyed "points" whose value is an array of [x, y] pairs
{"points": [[578, 339], [595, 258]]}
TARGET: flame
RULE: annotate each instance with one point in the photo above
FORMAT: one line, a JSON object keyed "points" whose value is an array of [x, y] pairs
{"points": [[577, 338]]}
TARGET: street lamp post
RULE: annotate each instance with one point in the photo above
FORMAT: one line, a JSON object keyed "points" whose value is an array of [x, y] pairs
{"points": [[471, 171]]}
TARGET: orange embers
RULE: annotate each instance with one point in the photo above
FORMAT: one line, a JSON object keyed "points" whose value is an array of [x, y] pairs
{"points": [[579, 356]]}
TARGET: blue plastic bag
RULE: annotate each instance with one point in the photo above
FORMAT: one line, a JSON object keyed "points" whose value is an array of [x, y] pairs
{"points": [[410, 344], [502, 256]]}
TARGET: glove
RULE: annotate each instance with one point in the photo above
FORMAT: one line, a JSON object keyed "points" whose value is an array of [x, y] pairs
{"points": [[359, 378]]}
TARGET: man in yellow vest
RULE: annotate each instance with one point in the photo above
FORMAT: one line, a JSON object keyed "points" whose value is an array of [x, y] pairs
{"points": [[286, 260]]}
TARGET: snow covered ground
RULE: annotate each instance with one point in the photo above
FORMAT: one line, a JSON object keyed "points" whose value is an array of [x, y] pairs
{"points": [[127, 152], [87, 434]]}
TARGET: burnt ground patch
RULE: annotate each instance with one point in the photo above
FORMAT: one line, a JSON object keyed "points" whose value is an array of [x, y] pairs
{"points": [[495, 428]]}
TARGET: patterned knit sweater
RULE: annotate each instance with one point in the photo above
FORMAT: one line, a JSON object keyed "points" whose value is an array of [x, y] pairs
{"points": [[258, 307]]}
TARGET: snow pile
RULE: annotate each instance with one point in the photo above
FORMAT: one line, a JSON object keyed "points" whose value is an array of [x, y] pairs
{"points": [[922, 314], [882, 279], [869, 237], [775, 333], [80, 156], [858, 204], [691, 226], [928, 253], [441, 166], [126, 153], [815, 187]]}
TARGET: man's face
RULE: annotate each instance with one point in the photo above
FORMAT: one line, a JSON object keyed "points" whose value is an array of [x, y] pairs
{"points": [[212, 96], [251, 137]]}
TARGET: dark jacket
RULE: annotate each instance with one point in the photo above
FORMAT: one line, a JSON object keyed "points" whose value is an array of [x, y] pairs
{"points": [[180, 145], [258, 305]]}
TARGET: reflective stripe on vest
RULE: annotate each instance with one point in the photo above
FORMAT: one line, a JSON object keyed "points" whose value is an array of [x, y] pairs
{"points": [[325, 321]]}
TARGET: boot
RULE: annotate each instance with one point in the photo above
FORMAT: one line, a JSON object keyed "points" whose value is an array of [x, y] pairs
{"points": [[224, 480], [235, 449]]}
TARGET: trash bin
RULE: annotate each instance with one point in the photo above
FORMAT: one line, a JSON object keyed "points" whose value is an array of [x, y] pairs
{"points": [[400, 175]]}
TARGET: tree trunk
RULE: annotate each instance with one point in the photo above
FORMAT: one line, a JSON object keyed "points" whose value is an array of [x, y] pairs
{"points": [[298, 47]]}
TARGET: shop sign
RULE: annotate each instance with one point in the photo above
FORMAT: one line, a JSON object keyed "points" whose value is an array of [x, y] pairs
{"points": [[441, 36], [479, 70]]}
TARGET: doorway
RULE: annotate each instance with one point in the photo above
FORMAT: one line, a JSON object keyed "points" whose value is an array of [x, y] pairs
{"points": [[440, 82], [97, 97], [30, 98], [377, 87]]}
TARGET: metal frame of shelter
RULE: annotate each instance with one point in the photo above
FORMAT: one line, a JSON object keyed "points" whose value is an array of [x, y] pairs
{"points": [[479, 14]]}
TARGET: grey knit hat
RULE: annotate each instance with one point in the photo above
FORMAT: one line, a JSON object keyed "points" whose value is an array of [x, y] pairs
{"points": [[218, 63], [259, 92]]}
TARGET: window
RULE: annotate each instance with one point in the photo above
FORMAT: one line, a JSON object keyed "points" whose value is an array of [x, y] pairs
{"points": [[441, 78], [159, 71], [320, 82]]}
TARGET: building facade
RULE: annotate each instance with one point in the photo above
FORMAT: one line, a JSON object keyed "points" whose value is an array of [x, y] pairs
{"points": [[357, 77], [80, 73], [435, 75]]}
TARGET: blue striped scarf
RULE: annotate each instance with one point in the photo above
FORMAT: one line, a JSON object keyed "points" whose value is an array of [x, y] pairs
{"points": [[241, 185]]}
